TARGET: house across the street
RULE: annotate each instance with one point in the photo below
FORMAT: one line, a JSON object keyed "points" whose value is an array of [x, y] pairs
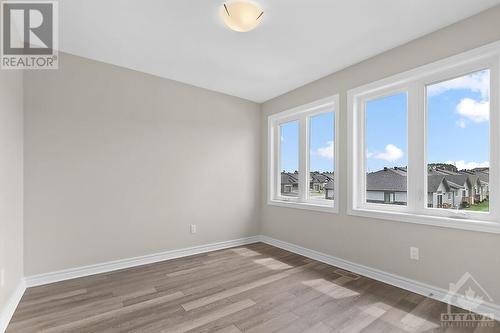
{"points": [[387, 186], [320, 184], [445, 188]]}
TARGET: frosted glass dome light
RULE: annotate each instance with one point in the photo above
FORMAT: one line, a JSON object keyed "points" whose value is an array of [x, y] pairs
{"points": [[241, 16]]}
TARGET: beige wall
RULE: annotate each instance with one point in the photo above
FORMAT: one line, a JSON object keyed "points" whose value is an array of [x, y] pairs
{"points": [[120, 163], [445, 254], [11, 183]]}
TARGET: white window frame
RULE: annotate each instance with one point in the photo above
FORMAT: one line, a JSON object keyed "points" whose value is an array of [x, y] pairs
{"points": [[301, 114], [361, 156], [415, 82]]}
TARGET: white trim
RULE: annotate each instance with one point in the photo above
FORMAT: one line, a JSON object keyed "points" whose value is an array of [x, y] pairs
{"points": [[436, 221], [414, 82], [11, 305], [301, 114], [395, 280], [76, 272], [479, 53], [303, 205]]}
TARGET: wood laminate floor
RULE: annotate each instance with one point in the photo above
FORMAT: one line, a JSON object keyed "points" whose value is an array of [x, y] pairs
{"points": [[253, 288]]}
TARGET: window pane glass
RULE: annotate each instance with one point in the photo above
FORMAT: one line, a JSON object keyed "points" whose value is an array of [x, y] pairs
{"points": [[321, 156], [289, 159], [386, 150], [458, 125]]}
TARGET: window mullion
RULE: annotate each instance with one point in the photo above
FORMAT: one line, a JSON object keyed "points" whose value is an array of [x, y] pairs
{"points": [[303, 158], [494, 184], [277, 161], [416, 148], [360, 142]]}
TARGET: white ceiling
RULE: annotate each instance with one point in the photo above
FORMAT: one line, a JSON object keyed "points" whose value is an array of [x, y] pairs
{"points": [[296, 43]]}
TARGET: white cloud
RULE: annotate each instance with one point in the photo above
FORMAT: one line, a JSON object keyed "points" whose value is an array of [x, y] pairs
{"points": [[476, 82], [391, 154], [461, 123], [474, 110], [469, 165], [327, 151]]}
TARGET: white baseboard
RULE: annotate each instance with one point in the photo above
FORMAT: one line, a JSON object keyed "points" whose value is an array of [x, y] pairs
{"points": [[392, 279], [71, 273], [7, 312]]}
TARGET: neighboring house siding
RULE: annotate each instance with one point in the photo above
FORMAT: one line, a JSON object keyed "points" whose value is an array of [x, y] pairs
{"points": [[373, 196], [459, 198], [442, 198], [401, 197], [381, 196]]}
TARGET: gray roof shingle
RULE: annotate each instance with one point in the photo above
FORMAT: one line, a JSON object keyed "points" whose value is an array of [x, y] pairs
{"points": [[387, 180], [454, 177], [289, 178]]}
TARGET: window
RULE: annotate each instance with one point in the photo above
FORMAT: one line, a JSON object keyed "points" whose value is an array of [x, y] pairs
{"points": [[458, 130], [321, 156], [385, 153], [289, 159], [302, 163], [424, 145]]}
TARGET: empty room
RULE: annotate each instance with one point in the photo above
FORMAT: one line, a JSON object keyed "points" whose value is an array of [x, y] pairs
{"points": [[250, 166]]}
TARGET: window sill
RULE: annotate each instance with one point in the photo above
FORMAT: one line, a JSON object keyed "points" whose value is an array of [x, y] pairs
{"points": [[437, 221], [303, 205]]}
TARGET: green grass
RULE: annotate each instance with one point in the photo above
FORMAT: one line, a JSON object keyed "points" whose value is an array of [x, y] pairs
{"points": [[480, 207]]}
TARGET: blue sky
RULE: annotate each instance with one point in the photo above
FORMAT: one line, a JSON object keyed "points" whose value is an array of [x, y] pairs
{"points": [[386, 132], [321, 142], [457, 132], [290, 146], [458, 121], [457, 125]]}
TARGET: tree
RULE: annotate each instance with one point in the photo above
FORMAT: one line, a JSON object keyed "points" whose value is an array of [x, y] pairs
{"points": [[442, 166]]}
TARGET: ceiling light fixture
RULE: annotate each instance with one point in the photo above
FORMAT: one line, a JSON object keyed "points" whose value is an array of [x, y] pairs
{"points": [[241, 16]]}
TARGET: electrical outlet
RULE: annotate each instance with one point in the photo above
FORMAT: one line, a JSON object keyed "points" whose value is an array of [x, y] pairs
{"points": [[193, 228], [414, 253]]}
